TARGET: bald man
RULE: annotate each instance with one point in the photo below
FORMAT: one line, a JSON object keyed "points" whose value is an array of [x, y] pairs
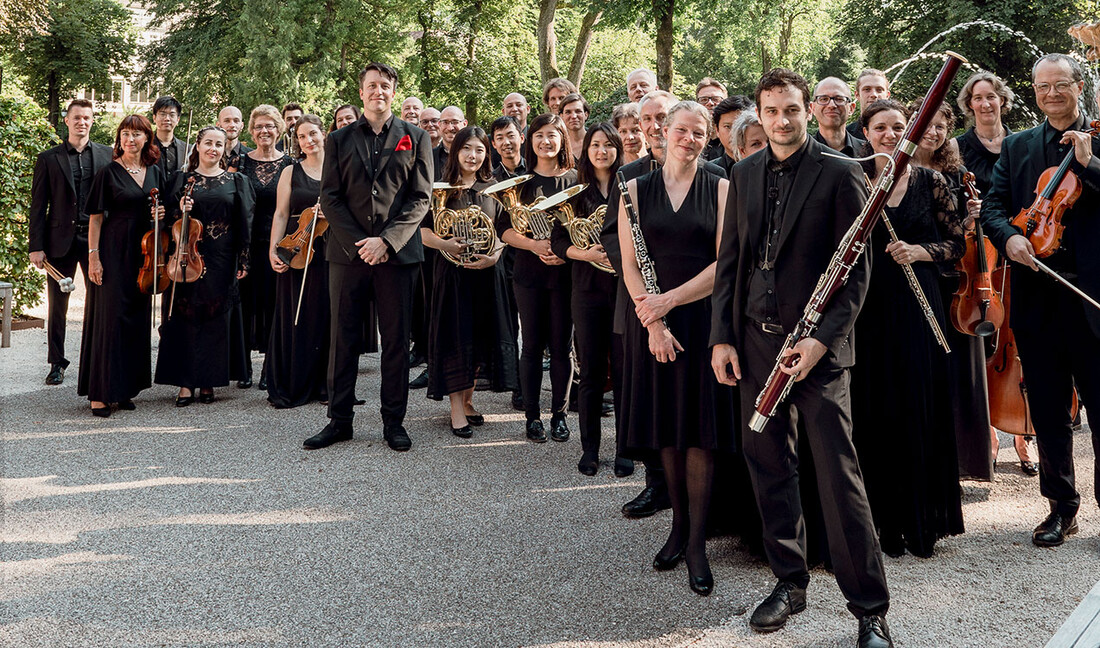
{"points": [[516, 107], [429, 121], [411, 109], [451, 120], [232, 122], [831, 107]]}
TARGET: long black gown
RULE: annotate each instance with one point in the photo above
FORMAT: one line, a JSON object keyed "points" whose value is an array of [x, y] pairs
{"points": [[258, 288], [202, 343], [470, 326], [677, 404], [903, 427], [297, 356], [115, 363]]}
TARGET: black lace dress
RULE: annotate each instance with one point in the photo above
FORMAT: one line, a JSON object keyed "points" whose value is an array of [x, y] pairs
{"points": [[470, 326], [202, 341], [258, 288], [115, 363], [903, 426], [297, 357]]}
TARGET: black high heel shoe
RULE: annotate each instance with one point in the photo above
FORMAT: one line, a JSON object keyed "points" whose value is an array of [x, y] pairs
{"points": [[206, 396], [463, 432], [701, 585], [127, 405], [101, 412], [475, 419], [184, 401], [663, 563]]}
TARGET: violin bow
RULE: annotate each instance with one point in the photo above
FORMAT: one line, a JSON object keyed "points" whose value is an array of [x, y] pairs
{"points": [[1065, 282], [154, 196], [309, 258]]}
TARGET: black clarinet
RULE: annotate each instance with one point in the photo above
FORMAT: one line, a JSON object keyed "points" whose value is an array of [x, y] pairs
{"points": [[641, 252]]}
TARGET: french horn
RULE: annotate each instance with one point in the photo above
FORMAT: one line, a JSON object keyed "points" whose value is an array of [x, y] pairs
{"points": [[526, 220], [584, 232], [470, 224]]}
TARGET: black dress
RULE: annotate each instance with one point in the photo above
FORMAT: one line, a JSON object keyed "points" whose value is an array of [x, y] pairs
{"points": [[903, 427], [202, 343], [470, 327], [978, 159], [297, 358], [676, 404], [115, 361], [258, 288]]}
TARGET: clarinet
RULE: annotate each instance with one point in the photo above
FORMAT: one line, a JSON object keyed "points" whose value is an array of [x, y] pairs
{"points": [[779, 384], [641, 252]]}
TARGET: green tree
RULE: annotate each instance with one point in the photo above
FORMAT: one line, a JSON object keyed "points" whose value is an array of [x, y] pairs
{"points": [[83, 43]]}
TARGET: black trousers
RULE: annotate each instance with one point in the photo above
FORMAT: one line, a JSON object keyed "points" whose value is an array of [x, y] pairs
{"points": [[351, 288], [593, 316], [59, 301], [544, 320], [422, 302], [822, 403], [1063, 352]]}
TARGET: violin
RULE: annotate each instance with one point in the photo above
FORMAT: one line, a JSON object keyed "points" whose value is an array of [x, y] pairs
{"points": [[153, 276], [976, 309], [186, 265], [294, 249], [1009, 410], [1056, 191]]}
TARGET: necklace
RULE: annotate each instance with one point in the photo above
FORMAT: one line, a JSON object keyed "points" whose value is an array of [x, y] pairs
{"points": [[129, 170]]}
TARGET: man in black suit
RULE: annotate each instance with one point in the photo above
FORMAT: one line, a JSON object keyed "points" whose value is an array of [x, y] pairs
{"points": [[376, 187], [173, 150], [831, 108], [788, 208], [231, 121], [1057, 334], [59, 218], [653, 108]]}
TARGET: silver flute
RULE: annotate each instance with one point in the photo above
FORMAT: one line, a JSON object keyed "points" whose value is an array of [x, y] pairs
{"points": [[641, 252]]}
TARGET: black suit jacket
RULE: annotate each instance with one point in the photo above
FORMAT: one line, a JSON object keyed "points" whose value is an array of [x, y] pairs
{"points": [[389, 202], [1015, 176], [827, 196], [54, 210]]}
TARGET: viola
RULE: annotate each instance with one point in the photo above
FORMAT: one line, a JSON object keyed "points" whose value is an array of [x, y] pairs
{"points": [[153, 276], [976, 309], [1056, 192], [294, 249], [186, 265]]}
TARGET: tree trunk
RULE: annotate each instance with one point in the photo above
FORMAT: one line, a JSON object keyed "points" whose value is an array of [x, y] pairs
{"points": [[471, 51], [584, 42], [663, 11], [53, 100], [426, 66], [548, 40]]}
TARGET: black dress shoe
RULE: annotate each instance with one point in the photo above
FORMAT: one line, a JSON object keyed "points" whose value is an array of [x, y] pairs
{"points": [[648, 502], [624, 467], [606, 409], [420, 382], [206, 397], [101, 412], [667, 563], [475, 419], [358, 401], [56, 375], [1052, 531], [874, 633], [245, 384], [184, 401], [416, 358], [535, 431], [397, 438], [786, 599], [517, 402], [1029, 468], [701, 585], [262, 385], [331, 434], [589, 464], [463, 432], [127, 405], [559, 429]]}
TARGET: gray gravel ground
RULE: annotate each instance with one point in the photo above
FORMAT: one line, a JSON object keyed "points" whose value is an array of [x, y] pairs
{"points": [[210, 526]]}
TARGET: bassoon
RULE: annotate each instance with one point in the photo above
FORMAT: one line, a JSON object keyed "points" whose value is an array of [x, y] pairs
{"points": [[851, 246]]}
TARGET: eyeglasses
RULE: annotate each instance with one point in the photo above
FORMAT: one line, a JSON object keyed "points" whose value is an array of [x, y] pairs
{"points": [[450, 122], [823, 100], [429, 121], [265, 127], [1061, 87], [710, 100]]}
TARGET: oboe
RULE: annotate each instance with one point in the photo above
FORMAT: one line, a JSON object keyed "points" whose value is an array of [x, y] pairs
{"points": [[855, 241], [641, 252]]}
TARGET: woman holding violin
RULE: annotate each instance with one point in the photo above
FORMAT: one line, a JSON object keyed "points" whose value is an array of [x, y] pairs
{"points": [[201, 341], [297, 355], [1057, 334], [470, 332], [902, 421], [114, 353], [262, 167]]}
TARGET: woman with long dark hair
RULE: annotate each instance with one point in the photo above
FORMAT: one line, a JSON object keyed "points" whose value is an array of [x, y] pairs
{"points": [[114, 353], [593, 297], [470, 330], [541, 281]]}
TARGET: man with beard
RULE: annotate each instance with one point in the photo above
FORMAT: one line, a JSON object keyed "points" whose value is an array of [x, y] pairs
{"points": [[451, 120], [292, 112], [574, 112], [231, 121]]}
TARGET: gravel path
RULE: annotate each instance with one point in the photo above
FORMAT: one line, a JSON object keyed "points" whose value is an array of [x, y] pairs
{"points": [[209, 526]]}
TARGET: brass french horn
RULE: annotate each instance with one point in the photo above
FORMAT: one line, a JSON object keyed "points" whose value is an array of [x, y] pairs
{"points": [[526, 220], [584, 232], [469, 223]]}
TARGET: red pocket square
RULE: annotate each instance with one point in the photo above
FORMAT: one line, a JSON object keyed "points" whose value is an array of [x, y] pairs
{"points": [[406, 144]]}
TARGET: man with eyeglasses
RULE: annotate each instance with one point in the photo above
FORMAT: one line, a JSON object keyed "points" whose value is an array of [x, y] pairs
{"points": [[1057, 335], [710, 92], [831, 107], [871, 85], [429, 121], [451, 120]]}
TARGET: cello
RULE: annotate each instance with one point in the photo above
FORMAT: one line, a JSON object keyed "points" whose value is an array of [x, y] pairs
{"points": [[153, 276], [976, 309]]}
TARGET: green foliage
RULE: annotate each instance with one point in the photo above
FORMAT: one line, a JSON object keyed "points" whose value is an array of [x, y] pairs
{"points": [[83, 43], [24, 133]]}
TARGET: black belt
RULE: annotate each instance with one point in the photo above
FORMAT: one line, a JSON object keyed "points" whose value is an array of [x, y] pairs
{"points": [[771, 329]]}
